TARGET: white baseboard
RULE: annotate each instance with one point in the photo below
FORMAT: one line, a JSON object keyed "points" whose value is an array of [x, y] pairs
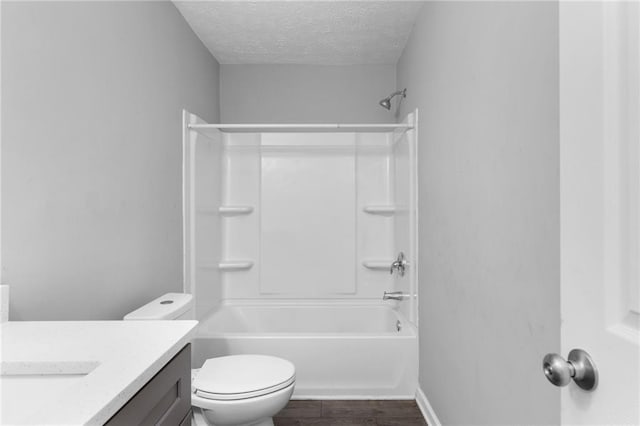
{"points": [[426, 409]]}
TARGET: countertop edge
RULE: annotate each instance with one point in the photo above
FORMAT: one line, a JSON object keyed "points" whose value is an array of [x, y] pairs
{"points": [[126, 394], [127, 354]]}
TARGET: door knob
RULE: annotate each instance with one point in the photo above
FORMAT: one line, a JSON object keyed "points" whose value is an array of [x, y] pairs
{"points": [[580, 367]]}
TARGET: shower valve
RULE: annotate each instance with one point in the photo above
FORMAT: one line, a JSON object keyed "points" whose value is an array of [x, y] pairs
{"points": [[394, 295], [400, 264]]}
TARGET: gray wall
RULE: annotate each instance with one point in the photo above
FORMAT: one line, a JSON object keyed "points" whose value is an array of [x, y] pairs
{"points": [[305, 93], [485, 77], [92, 95]]}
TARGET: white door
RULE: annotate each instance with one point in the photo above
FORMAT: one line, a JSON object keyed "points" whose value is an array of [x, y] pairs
{"points": [[599, 198]]}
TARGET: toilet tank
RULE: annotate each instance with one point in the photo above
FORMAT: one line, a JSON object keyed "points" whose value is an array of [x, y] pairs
{"points": [[171, 306]]}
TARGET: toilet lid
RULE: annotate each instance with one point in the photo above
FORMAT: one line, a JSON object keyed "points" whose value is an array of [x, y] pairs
{"points": [[242, 376]]}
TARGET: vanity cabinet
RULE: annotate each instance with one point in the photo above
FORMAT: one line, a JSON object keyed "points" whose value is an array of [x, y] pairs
{"points": [[165, 400]]}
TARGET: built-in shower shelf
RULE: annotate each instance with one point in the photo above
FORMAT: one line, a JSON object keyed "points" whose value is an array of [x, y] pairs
{"points": [[385, 210], [377, 264], [235, 210], [235, 265], [226, 210]]}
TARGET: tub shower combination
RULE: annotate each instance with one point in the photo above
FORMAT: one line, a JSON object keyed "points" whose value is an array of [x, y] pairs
{"points": [[293, 234]]}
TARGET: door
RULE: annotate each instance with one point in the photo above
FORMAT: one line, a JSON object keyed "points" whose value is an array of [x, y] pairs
{"points": [[600, 219]]}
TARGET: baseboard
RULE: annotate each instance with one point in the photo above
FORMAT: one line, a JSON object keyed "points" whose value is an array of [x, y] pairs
{"points": [[347, 396], [426, 409]]}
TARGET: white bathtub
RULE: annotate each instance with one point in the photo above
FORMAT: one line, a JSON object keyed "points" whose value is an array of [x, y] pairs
{"points": [[340, 351]]}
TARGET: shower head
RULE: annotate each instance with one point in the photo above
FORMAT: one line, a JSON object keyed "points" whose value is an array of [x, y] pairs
{"points": [[386, 102]]}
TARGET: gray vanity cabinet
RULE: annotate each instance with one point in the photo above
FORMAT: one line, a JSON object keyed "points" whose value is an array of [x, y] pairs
{"points": [[165, 400]]}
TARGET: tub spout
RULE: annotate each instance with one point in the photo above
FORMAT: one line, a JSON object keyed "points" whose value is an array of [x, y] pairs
{"points": [[394, 295]]}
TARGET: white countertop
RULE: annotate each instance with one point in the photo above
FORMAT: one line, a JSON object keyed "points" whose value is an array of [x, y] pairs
{"points": [[80, 372]]}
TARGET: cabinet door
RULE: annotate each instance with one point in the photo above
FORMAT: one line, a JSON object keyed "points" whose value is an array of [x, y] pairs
{"points": [[164, 400]]}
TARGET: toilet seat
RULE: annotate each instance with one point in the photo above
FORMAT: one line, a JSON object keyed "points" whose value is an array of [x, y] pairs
{"points": [[239, 377], [241, 411]]}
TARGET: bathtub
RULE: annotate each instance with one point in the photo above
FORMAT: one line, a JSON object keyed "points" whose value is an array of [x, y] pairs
{"points": [[341, 351]]}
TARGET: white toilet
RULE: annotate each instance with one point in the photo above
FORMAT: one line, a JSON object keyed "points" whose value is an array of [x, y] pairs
{"points": [[236, 390]]}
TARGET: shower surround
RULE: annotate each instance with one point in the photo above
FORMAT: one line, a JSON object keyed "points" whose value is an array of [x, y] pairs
{"points": [[290, 232]]}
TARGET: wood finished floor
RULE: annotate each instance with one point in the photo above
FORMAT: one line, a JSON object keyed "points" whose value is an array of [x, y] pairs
{"points": [[350, 413]]}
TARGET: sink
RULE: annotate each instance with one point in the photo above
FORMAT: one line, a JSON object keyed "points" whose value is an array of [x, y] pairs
{"points": [[23, 385]]}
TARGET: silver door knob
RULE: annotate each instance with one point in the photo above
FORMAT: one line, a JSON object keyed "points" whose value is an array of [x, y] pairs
{"points": [[580, 367]]}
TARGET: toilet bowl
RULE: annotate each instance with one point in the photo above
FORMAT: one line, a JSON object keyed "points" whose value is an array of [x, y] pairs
{"points": [[241, 390], [235, 390]]}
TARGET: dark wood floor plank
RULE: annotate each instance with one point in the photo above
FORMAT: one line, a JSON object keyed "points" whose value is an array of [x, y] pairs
{"points": [[369, 408], [324, 421], [299, 409], [400, 421], [350, 413]]}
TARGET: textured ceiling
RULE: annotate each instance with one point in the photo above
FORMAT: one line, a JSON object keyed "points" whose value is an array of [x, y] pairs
{"points": [[302, 32]]}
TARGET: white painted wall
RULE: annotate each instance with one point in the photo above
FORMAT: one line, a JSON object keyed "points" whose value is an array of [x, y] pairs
{"points": [[305, 93], [485, 78], [92, 95]]}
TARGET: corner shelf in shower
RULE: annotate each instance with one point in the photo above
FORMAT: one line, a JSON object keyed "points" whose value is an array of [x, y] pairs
{"points": [[377, 264], [226, 210], [227, 265], [235, 210], [384, 210], [235, 265]]}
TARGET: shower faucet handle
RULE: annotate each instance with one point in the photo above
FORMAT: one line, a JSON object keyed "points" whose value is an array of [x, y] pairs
{"points": [[394, 295], [400, 264]]}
